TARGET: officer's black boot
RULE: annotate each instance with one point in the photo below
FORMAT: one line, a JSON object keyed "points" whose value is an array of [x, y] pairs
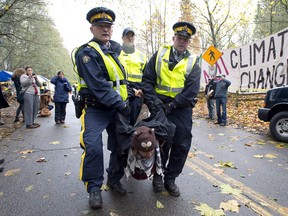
{"points": [[157, 183], [95, 200], [172, 188]]}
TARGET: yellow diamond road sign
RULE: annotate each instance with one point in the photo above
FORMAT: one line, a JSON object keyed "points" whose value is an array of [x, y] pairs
{"points": [[211, 55]]}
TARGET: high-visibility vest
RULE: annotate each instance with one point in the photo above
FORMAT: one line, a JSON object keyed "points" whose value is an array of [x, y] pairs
{"points": [[117, 78], [134, 64], [171, 83]]}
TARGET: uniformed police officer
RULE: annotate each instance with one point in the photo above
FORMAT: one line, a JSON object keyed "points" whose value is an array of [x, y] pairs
{"points": [[103, 88], [171, 82], [135, 63]]}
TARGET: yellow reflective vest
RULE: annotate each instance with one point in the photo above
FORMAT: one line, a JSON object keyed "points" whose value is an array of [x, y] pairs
{"points": [[171, 83], [114, 71], [134, 64]]}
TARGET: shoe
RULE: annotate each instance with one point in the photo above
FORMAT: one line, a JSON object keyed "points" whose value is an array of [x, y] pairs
{"points": [[58, 122], [216, 122], [1, 123], [172, 188], [62, 121], [31, 126], [157, 183], [1, 169], [2, 161], [37, 124], [222, 124], [95, 200], [117, 187], [16, 120]]}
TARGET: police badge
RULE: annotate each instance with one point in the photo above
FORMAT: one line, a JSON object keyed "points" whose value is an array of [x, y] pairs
{"points": [[85, 59]]}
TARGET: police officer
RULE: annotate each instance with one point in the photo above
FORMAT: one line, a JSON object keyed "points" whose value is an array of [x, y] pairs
{"points": [[104, 91], [135, 63], [171, 82]]}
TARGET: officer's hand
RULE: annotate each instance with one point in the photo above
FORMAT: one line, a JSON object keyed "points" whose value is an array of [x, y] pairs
{"points": [[126, 110], [169, 107]]}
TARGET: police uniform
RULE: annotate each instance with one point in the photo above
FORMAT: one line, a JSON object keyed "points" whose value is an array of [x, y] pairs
{"points": [[172, 82], [134, 62], [102, 87]]}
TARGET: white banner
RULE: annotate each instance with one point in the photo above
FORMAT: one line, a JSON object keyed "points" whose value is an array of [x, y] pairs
{"points": [[255, 67]]}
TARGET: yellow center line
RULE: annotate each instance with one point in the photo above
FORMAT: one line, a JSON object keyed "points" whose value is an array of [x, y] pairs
{"points": [[198, 166]]}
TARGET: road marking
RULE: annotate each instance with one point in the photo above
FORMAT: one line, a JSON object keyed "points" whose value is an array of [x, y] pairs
{"points": [[198, 166]]}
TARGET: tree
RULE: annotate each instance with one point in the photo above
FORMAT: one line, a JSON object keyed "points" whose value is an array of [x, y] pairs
{"points": [[222, 22], [28, 37], [271, 17], [187, 12]]}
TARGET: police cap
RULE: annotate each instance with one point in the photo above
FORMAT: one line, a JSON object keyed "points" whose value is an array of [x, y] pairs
{"points": [[101, 14], [185, 29], [127, 30]]}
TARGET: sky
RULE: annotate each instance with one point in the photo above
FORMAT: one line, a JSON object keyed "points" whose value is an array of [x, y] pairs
{"points": [[70, 20]]}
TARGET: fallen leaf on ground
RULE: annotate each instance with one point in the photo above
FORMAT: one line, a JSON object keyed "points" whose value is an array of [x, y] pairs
{"points": [[280, 146], [208, 211], [218, 171], [1, 194], [159, 204], [55, 143], [29, 188], [270, 156], [227, 189], [12, 172], [113, 214], [42, 159], [67, 173], [258, 156], [26, 152], [231, 205], [211, 137], [45, 196], [260, 142], [221, 134], [191, 155], [225, 164]]}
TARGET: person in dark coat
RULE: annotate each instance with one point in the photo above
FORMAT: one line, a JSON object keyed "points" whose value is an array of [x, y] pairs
{"points": [[61, 96], [103, 88], [16, 79], [3, 104], [171, 82]]}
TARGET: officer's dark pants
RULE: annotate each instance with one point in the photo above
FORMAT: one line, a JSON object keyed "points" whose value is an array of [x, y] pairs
{"points": [[182, 118], [94, 121], [60, 111]]}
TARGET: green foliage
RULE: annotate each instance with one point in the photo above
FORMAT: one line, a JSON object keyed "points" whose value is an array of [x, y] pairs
{"points": [[271, 17], [28, 38]]}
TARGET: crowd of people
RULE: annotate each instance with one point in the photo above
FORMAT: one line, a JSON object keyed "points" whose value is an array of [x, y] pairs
{"points": [[116, 82]]}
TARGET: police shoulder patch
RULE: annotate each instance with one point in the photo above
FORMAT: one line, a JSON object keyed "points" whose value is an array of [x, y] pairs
{"points": [[85, 59]]}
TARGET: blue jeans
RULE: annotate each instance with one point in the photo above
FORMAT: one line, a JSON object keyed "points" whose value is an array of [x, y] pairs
{"points": [[211, 108], [221, 110]]}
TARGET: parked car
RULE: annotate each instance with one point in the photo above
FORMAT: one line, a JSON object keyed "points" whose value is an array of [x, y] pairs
{"points": [[275, 111]]}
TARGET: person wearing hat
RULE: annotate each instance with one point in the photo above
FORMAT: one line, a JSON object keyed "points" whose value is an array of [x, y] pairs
{"points": [[134, 62], [171, 81], [221, 84], [103, 89]]}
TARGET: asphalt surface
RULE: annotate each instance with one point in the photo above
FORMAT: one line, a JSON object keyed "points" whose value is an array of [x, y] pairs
{"points": [[257, 175]]}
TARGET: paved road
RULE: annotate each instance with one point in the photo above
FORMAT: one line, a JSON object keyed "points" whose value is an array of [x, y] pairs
{"points": [[258, 181]]}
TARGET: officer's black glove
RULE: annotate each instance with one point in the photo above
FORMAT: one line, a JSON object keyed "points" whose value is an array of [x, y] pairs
{"points": [[169, 107], [126, 110]]}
